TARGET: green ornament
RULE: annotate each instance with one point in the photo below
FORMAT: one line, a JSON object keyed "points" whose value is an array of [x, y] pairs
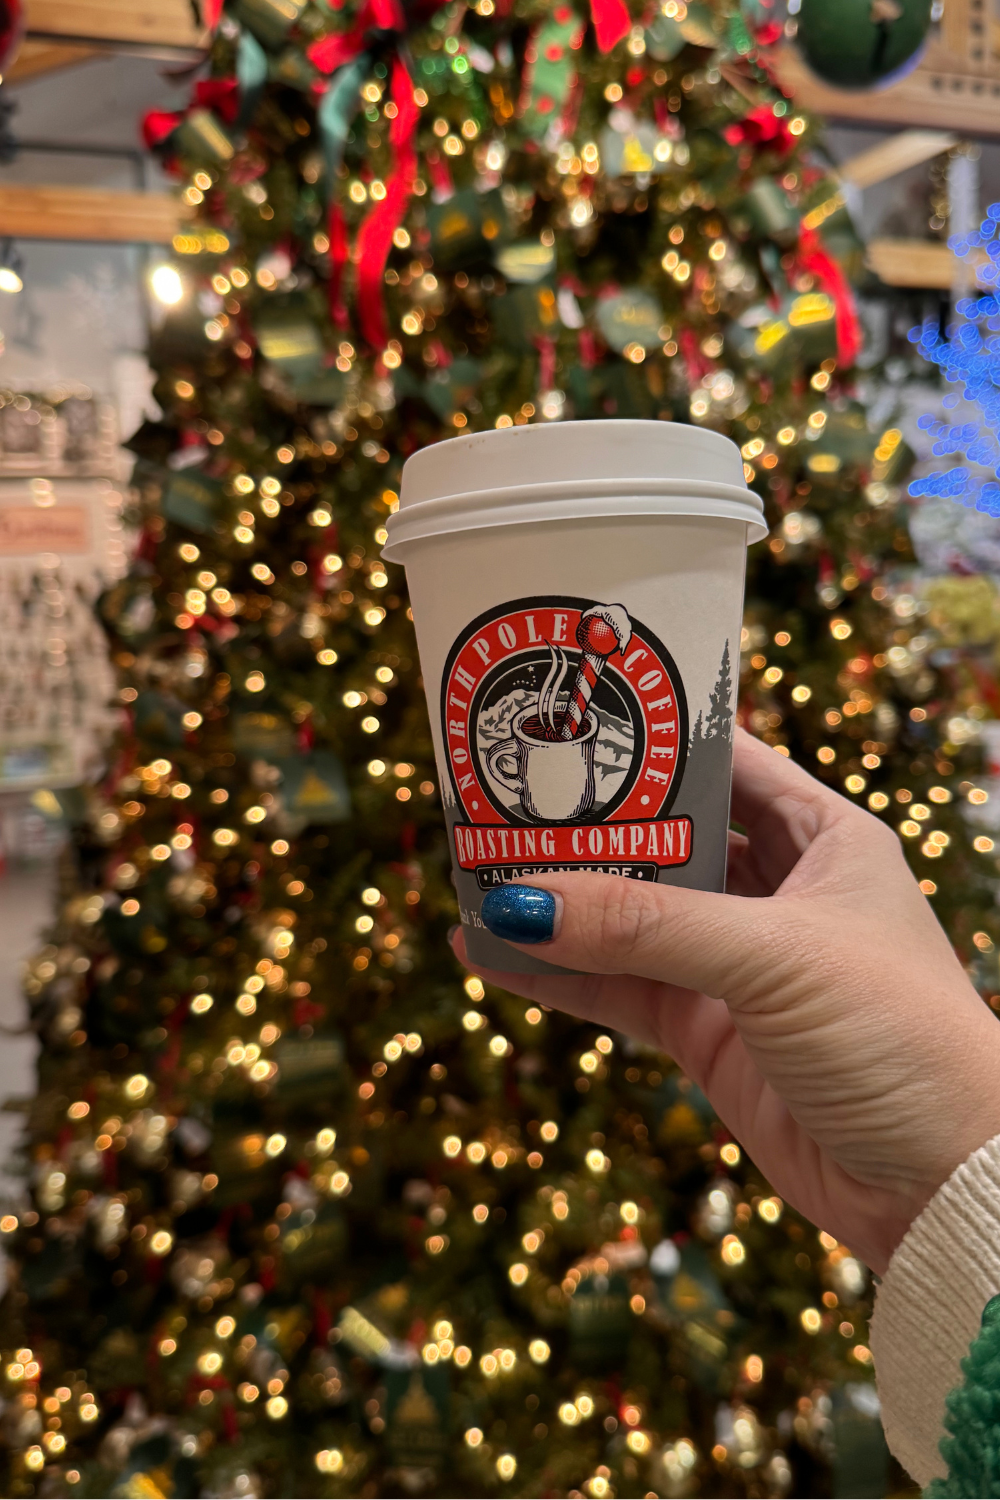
{"points": [[314, 788], [600, 1320], [767, 212], [308, 1070], [803, 329], [159, 717], [129, 610], [664, 39], [845, 443], [269, 20], [267, 735], [467, 226], [526, 261], [550, 71], [417, 1403], [892, 459], [201, 137], [634, 149], [528, 313], [192, 499], [702, 27], [631, 316], [452, 387], [857, 44], [313, 1241], [290, 340]]}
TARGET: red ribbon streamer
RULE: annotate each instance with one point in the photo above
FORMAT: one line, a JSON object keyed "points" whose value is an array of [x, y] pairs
{"points": [[611, 22], [813, 260], [375, 235]]}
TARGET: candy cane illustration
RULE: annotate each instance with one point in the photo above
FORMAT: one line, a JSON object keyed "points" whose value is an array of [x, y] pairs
{"points": [[603, 630]]}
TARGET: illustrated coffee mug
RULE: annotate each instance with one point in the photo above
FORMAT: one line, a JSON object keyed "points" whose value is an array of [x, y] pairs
{"points": [[577, 592], [553, 778]]}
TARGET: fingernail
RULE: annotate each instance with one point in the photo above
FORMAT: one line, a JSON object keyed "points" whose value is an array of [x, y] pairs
{"points": [[452, 931], [520, 913]]}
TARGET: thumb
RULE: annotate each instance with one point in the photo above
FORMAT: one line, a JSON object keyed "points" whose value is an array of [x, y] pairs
{"points": [[602, 924]]}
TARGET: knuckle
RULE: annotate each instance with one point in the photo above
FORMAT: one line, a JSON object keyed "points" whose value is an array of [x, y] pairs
{"points": [[625, 922]]}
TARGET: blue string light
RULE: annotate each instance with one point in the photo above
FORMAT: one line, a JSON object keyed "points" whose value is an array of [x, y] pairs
{"points": [[968, 357]]}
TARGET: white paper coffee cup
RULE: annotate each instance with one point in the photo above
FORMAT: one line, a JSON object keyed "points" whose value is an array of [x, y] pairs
{"points": [[577, 593]]}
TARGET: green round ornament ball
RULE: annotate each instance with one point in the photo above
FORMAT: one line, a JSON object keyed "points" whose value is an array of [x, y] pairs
{"points": [[859, 44]]}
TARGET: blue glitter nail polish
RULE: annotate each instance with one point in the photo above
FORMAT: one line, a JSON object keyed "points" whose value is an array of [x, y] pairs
{"points": [[520, 913]]}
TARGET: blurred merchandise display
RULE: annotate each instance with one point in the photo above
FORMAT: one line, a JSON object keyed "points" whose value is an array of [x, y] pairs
{"points": [[62, 542], [311, 1212]]}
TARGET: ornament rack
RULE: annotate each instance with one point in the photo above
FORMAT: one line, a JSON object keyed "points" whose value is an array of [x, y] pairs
{"points": [[62, 480], [955, 86]]}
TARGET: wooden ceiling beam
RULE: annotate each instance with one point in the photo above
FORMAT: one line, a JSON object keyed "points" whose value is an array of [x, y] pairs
{"points": [[58, 213]]}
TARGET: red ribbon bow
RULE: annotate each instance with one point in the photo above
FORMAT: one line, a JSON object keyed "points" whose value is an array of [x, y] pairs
{"points": [[812, 259]]}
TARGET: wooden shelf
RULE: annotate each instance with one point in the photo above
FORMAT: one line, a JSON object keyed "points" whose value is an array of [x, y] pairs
{"points": [[57, 213], [923, 264], [116, 23]]}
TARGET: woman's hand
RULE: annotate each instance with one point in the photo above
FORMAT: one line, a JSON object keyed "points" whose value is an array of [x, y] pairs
{"points": [[818, 1004]]}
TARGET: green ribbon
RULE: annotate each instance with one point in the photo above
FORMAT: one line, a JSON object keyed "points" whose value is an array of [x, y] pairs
{"points": [[251, 74], [337, 109]]}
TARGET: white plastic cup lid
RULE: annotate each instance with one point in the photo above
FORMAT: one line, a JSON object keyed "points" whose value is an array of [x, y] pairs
{"points": [[569, 470]]}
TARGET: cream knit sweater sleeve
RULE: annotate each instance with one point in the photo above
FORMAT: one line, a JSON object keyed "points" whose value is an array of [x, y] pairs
{"points": [[929, 1308]]}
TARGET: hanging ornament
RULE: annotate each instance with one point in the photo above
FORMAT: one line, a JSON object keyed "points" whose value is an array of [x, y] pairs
{"points": [[767, 212], [314, 788], [525, 262], [270, 736], [289, 339], [630, 319], [308, 1070], [269, 20], [631, 148], [466, 226], [192, 499], [550, 72], [600, 1320], [700, 25], [11, 31], [859, 44], [664, 39]]}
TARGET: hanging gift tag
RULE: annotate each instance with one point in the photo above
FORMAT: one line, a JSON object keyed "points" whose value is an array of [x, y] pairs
{"points": [[192, 499], [159, 717], [268, 735], [467, 226], [767, 212], [289, 339], [201, 137], [417, 1415], [630, 317], [549, 71], [314, 788], [269, 20], [664, 39], [526, 261]]}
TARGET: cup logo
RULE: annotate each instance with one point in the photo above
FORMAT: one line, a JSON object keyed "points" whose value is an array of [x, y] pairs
{"points": [[566, 730]]}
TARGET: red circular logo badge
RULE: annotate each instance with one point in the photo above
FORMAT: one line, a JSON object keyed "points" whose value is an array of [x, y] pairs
{"points": [[563, 712]]}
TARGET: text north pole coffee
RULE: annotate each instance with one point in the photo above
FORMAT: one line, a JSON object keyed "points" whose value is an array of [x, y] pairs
{"points": [[526, 748]]}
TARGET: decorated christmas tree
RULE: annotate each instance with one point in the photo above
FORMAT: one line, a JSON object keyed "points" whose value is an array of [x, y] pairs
{"points": [[311, 1213]]}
